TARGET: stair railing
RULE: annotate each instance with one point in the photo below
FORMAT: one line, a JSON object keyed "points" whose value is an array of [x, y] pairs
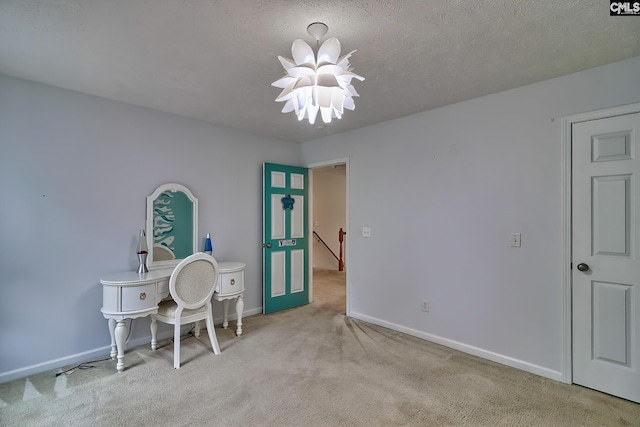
{"points": [[341, 234]]}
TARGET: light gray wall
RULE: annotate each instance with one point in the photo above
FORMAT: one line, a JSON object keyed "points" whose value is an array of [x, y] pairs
{"points": [[75, 171], [329, 214], [442, 191]]}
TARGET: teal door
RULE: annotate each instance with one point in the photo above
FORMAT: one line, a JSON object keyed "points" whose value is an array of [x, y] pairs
{"points": [[285, 226]]}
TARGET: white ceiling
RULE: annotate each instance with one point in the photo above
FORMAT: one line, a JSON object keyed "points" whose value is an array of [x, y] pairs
{"points": [[215, 60]]}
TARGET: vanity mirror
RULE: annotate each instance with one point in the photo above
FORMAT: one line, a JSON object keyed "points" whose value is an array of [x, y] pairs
{"points": [[172, 225]]}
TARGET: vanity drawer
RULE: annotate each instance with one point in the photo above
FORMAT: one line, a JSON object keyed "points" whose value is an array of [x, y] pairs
{"points": [[138, 297], [231, 282]]}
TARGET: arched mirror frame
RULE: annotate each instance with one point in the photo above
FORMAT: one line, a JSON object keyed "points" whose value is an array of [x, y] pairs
{"points": [[150, 229]]}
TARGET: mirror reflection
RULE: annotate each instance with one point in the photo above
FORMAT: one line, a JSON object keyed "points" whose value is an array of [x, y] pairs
{"points": [[172, 225]]}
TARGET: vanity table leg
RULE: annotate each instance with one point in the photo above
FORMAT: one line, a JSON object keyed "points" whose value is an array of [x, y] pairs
{"points": [[239, 310], [121, 336], [225, 313], [154, 333], [112, 331]]}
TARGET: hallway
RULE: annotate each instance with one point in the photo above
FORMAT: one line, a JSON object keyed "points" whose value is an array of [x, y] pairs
{"points": [[329, 289]]}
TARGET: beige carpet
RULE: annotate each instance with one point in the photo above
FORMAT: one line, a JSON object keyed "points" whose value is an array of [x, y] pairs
{"points": [[310, 366]]}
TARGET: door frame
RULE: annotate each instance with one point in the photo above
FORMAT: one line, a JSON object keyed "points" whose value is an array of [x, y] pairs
{"points": [[567, 240], [317, 165]]}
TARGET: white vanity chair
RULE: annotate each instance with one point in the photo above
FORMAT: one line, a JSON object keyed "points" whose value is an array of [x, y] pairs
{"points": [[230, 285], [191, 287]]}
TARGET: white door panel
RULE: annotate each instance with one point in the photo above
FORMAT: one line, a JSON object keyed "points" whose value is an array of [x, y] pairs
{"points": [[278, 279], [606, 297], [297, 271]]}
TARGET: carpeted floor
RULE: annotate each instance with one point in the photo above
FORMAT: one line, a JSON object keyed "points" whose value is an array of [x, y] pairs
{"points": [[329, 289], [309, 366]]}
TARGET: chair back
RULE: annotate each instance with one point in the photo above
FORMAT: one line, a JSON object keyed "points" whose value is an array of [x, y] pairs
{"points": [[193, 281]]}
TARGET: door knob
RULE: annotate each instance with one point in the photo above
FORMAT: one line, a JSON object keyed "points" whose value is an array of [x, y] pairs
{"points": [[266, 245], [583, 267]]}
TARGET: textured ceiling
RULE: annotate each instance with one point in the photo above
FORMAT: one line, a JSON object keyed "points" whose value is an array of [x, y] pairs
{"points": [[216, 60]]}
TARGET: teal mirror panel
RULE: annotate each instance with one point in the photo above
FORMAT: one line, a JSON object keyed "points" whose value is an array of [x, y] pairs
{"points": [[172, 225]]}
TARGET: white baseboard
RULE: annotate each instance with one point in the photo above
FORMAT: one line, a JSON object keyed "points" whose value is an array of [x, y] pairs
{"points": [[99, 353], [465, 348]]}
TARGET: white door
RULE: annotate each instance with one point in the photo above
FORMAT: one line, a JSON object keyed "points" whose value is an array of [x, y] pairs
{"points": [[606, 269]]}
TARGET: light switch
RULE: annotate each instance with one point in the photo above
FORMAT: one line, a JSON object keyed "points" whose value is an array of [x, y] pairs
{"points": [[366, 231], [515, 240]]}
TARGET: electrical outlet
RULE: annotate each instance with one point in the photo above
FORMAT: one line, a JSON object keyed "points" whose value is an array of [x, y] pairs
{"points": [[425, 305], [366, 231]]}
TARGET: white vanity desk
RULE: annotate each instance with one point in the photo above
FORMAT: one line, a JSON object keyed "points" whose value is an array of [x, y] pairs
{"points": [[129, 295]]}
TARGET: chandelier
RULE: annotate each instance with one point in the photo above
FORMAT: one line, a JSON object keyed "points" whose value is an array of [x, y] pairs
{"points": [[319, 83]]}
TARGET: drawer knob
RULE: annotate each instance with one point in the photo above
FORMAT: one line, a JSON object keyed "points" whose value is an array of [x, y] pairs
{"points": [[233, 282], [143, 295]]}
